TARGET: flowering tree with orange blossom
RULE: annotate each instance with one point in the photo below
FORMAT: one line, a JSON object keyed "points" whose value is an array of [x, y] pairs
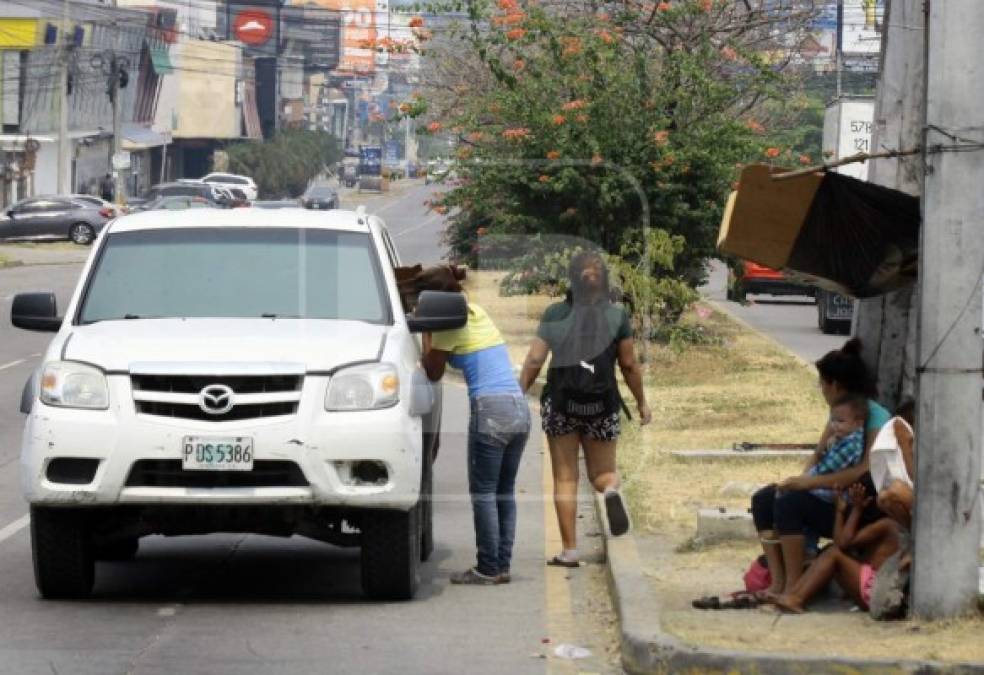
{"points": [[601, 120]]}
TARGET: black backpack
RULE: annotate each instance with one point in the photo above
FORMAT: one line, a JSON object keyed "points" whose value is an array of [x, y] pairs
{"points": [[581, 380]]}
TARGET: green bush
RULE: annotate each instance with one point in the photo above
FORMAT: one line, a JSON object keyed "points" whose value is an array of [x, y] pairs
{"points": [[284, 165]]}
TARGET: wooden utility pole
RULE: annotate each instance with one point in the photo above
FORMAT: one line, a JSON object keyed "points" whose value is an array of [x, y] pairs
{"points": [[950, 353]]}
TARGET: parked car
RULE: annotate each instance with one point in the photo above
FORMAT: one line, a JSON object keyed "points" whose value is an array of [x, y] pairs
{"points": [[150, 413], [231, 180], [187, 189], [99, 203], [750, 278], [320, 197], [436, 170], [54, 218], [834, 312], [238, 198], [177, 203]]}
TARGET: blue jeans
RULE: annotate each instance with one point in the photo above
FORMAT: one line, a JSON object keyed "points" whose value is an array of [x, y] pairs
{"points": [[497, 434]]}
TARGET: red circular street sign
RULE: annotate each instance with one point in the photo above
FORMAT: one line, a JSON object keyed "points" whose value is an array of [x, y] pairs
{"points": [[253, 27]]}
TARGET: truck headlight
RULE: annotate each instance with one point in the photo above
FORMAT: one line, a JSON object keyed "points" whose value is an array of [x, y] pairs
{"points": [[366, 387], [68, 384]]}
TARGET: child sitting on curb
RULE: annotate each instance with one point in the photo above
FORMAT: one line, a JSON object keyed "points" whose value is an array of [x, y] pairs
{"points": [[852, 561]]}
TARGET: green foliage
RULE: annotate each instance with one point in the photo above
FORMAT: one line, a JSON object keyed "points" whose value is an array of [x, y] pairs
{"points": [[284, 165]]}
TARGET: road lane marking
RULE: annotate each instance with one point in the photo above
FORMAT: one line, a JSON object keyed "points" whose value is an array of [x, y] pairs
{"points": [[18, 361], [14, 527], [428, 221]]}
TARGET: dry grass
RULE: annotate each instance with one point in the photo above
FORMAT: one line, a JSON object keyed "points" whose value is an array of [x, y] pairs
{"points": [[743, 388], [47, 245]]}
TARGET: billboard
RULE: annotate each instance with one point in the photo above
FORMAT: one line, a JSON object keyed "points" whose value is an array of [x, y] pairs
{"points": [[256, 24], [359, 27]]}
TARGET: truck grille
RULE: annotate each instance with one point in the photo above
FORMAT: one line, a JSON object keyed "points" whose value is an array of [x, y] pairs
{"points": [[168, 473], [251, 396]]}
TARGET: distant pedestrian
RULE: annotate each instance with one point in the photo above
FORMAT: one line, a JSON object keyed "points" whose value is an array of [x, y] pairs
{"points": [[107, 188], [580, 406], [498, 427]]}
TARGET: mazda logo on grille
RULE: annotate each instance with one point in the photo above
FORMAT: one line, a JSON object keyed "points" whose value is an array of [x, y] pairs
{"points": [[215, 399]]}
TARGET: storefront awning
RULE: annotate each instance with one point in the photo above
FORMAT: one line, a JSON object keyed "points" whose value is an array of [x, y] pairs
{"points": [[161, 60], [138, 137], [844, 234]]}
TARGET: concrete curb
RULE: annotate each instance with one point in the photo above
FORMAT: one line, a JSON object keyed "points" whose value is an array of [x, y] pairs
{"points": [[646, 649], [11, 263]]}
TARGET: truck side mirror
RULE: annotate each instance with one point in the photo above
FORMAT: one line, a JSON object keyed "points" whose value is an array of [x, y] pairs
{"points": [[437, 311], [35, 311]]}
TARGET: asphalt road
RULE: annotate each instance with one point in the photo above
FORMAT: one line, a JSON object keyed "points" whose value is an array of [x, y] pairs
{"points": [[254, 604], [789, 320]]}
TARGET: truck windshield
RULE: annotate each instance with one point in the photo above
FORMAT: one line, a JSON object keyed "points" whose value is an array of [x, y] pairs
{"points": [[237, 273]]}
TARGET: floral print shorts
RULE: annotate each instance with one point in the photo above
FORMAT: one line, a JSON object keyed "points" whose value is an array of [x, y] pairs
{"points": [[601, 428]]}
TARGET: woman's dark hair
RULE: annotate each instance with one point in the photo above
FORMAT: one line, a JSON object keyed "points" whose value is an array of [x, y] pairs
{"points": [[845, 367], [576, 292], [440, 278]]}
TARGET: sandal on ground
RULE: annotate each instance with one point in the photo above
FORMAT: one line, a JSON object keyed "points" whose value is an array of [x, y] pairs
{"points": [[557, 561], [707, 602], [741, 601]]}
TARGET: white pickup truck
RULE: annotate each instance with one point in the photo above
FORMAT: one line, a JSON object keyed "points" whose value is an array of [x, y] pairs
{"points": [[236, 370]]}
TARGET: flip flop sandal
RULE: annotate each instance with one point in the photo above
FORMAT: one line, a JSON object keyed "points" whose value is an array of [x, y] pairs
{"points": [[557, 561], [741, 602], [707, 602]]}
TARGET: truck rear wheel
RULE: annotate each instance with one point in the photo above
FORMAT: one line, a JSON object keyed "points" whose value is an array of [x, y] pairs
{"points": [[426, 507], [61, 546], [120, 549], [391, 553]]}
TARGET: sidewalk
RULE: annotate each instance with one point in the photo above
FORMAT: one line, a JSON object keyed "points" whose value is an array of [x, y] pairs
{"points": [[53, 253]]}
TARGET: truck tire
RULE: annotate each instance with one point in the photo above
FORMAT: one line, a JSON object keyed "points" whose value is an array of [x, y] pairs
{"points": [[121, 549], [391, 553], [61, 546], [426, 507]]}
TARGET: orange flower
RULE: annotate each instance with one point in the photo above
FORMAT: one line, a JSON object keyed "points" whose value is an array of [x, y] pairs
{"points": [[663, 7], [597, 160], [507, 5], [553, 154], [416, 22], [440, 208], [509, 19], [516, 34], [544, 179], [606, 37], [476, 137], [706, 5], [755, 126], [516, 134], [661, 137], [772, 152], [558, 120], [582, 118], [482, 231], [806, 160], [434, 127], [519, 65], [577, 104], [729, 53], [572, 46]]}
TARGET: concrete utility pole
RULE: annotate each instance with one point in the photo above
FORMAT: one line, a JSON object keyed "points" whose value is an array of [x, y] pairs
{"points": [[887, 324], [114, 84], [950, 351], [61, 96]]}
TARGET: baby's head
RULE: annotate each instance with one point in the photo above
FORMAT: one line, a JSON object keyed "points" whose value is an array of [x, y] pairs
{"points": [[848, 414]]}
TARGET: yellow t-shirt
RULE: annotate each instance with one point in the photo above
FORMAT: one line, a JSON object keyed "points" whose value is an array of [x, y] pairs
{"points": [[477, 334]]}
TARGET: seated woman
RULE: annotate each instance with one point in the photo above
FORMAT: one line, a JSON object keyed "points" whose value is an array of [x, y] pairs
{"points": [[852, 561], [783, 513]]}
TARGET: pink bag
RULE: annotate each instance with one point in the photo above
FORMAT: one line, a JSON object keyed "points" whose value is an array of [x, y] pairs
{"points": [[757, 578]]}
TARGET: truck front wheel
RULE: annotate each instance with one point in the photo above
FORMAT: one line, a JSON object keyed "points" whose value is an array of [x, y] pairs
{"points": [[61, 546], [391, 553]]}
